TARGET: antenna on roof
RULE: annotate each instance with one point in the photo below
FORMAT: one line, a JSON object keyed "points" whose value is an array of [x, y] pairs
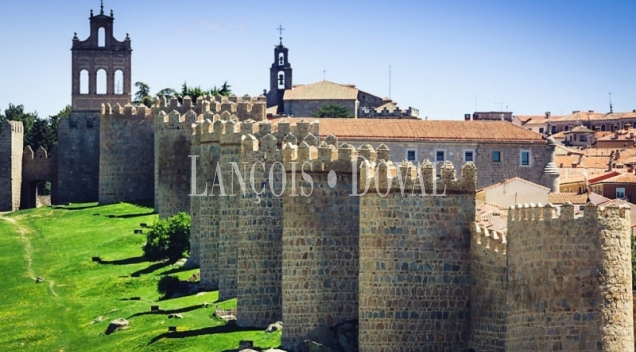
{"points": [[611, 109], [323, 75]]}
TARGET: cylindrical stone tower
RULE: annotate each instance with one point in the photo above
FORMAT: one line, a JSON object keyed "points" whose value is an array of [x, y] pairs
{"points": [[415, 257], [320, 243]]}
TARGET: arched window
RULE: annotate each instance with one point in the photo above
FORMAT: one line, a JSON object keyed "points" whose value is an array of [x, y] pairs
{"points": [[593, 127], [119, 82], [101, 37], [634, 125], [281, 80], [281, 59], [83, 82], [101, 82], [566, 128], [602, 127]]}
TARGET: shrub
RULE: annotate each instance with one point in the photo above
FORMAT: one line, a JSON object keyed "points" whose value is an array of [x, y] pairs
{"points": [[168, 238], [168, 285]]}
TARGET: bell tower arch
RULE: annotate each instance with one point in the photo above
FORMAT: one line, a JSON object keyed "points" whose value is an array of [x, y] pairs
{"points": [[101, 71], [280, 76]]}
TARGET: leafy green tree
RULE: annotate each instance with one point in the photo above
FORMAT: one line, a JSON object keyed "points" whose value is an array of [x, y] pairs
{"points": [[168, 239], [54, 121], [142, 96], [332, 110]]}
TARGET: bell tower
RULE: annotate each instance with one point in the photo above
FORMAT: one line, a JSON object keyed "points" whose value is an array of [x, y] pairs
{"points": [[280, 76], [101, 71]]}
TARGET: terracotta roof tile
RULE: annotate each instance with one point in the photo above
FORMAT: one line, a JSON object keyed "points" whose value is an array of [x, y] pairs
{"points": [[324, 90], [510, 180], [622, 178], [421, 130], [561, 198]]}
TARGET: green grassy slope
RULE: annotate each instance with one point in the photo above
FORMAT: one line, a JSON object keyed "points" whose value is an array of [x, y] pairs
{"points": [[57, 244]]}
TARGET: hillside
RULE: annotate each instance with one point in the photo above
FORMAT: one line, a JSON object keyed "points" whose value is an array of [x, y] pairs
{"points": [[62, 312]]}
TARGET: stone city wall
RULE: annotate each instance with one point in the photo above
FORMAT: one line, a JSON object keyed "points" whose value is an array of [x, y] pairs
{"points": [[38, 167], [78, 157], [11, 145], [415, 257], [570, 281], [126, 154]]}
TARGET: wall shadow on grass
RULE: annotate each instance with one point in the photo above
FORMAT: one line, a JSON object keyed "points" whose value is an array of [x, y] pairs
{"points": [[168, 311], [127, 261], [227, 328]]}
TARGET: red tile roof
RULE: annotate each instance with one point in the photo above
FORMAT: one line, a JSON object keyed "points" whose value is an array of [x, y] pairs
{"points": [[562, 198], [421, 130], [622, 178], [324, 90]]}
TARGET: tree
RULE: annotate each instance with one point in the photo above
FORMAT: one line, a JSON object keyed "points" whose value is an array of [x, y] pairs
{"points": [[332, 110], [168, 239], [143, 94], [54, 121]]}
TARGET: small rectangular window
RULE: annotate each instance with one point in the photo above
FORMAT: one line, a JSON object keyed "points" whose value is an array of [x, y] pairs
{"points": [[496, 156], [541, 130], [410, 155], [620, 193], [439, 155], [525, 158], [554, 129], [469, 155]]}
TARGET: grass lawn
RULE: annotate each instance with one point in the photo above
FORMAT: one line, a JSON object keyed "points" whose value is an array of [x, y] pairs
{"points": [[59, 314]]}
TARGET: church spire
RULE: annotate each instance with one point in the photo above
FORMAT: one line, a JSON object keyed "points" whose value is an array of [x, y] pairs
{"points": [[101, 7], [280, 29]]}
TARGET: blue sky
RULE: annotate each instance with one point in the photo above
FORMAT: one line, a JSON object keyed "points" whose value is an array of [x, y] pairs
{"points": [[446, 57]]}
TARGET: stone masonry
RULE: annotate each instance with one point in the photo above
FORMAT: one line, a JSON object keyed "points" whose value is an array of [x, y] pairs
{"points": [[11, 144], [126, 155], [415, 258], [415, 271], [37, 167]]}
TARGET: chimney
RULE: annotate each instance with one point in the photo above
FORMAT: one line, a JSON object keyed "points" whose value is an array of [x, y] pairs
{"points": [[496, 221], [591, 111], [466, 117], [581, 158], [631, 135], [617, 155], [547, 114]]}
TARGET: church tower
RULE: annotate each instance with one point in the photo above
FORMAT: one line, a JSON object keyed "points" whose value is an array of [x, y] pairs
{"points": [[280, 76], [101, 66]]}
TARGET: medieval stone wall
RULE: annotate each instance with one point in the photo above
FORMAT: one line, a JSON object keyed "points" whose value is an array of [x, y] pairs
{"points": [[415, 257], [78, 157], [570, 279], [173, 131], [11, 145], [488, 293], [126, 154], [36, 168]]}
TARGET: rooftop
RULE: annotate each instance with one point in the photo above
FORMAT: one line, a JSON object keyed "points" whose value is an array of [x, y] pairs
{"points": [[323, 90], [421, 130], [562, 198]]}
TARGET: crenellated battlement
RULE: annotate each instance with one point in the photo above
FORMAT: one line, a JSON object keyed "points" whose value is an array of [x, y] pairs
{"points": [[40, 153], [387, 177], [126, 112], [496, 241], [244, 108], [536, 212], [13, 126]]}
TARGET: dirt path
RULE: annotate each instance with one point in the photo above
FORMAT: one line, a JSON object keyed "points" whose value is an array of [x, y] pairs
{"points": [[28, 250]]}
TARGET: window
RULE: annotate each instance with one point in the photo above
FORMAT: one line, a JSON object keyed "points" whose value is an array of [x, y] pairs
{"points": [[281, 80], [496, 156], [83, 82], [525, 158], [566, 128], [411, 155], [101, 37], [541, 130], [101, 81], [119, 82], [440, 155], [281, 59], [469, 155], [582, 138], [602, 127], [554, 129], [620, 192]]}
